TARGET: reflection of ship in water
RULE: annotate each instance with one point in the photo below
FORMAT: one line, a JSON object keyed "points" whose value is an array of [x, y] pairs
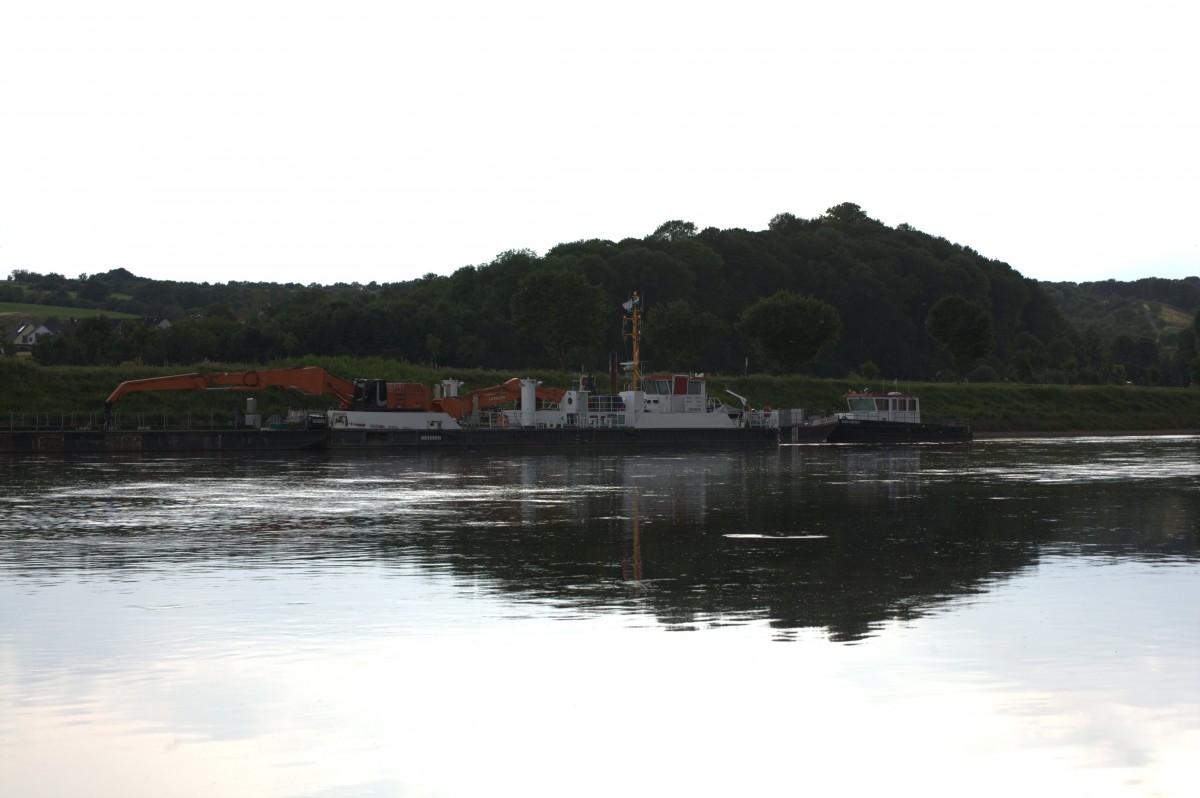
{"points": [[631, 493], [841, 539], [891, 472], [834, 538]]}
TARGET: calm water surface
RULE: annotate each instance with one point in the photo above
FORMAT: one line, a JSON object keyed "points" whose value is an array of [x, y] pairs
{"points": [[1007, 617]]}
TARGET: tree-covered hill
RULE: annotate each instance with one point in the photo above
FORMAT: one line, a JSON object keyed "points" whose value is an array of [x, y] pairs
{"points": [[1138, 323], [838, 294]]}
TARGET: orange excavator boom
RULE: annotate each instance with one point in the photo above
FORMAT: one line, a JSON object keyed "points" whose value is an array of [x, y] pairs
{"points": [[311, 380], [510, 391]]}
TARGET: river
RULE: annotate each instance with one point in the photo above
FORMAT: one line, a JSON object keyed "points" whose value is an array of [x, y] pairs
{"points": [[999, 618]]}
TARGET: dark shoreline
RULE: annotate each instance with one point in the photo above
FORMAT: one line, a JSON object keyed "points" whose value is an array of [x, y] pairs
{"points": [[1078, 433]]}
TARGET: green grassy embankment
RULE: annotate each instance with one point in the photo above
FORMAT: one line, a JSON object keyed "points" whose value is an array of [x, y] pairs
{"points": [[1002, 407], [26, 388], [40, 313]]}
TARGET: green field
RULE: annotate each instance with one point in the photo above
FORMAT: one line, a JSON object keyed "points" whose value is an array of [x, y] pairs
{"points": [[41, 312], [28, 388]]}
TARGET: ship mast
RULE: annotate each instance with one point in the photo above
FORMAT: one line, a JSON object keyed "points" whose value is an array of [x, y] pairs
{"points": [[633, 332]]}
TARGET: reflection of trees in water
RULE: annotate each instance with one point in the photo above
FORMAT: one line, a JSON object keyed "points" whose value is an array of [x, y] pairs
{"points": [[837, 538], [888, 545], [903, 531]]}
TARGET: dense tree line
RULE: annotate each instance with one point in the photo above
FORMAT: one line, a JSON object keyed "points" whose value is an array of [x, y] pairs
{"points": [[1143, 326], [834, 295]]}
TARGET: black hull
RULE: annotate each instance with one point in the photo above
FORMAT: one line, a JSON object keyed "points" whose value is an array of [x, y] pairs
{"points": [[249, 440], [843, 431], [158, 441], [565, 437]]}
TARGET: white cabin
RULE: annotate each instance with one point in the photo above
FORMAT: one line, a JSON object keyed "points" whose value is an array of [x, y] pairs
{"points": [[892, 406]]}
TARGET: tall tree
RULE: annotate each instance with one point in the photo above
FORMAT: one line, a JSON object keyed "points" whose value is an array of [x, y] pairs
{"points": [[847, 212], [963, 328], [674, 230], [678, 332], [782, 222], [790, 329], [561, 310]]}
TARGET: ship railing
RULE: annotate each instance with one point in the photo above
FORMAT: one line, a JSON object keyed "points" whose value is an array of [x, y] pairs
{"points": [[83, 422], [761, 418], [176, 421], [606, 403], [609, 420], [797, 417], [55, 422], [897, 416]]}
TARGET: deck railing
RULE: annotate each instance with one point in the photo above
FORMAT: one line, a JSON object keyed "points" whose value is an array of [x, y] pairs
{"points": [[123, 421]]}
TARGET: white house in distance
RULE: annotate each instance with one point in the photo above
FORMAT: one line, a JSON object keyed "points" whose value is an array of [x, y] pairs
{"points": [[28, 335]]}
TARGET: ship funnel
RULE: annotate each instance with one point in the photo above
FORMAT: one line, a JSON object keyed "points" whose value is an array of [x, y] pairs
{"points": [[528, 402]]}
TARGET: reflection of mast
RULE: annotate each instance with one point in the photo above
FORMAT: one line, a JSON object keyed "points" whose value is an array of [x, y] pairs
{"points": [[632, 331], [628, 536], [637, 541]]}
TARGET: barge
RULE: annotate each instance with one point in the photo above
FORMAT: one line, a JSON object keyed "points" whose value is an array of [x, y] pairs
{"points": [[675, 410], [891, 417]]}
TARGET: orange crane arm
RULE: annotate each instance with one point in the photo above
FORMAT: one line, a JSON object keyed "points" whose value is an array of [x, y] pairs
{"points": [[550, 394], [459, 406], [309, 379]]}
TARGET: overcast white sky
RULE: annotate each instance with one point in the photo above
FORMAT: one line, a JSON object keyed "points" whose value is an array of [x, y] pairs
{"points": [[358, 141]]}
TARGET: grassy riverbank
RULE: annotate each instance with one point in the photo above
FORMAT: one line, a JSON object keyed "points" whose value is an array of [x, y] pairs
{"points": [[26, 388], [1005, 408]]}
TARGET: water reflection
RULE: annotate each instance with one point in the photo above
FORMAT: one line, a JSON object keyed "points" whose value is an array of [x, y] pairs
{"points": [[838, 538], [448, 624]]}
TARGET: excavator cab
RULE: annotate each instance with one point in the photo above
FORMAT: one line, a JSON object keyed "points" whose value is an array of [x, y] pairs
{"points": [[384, 395], [370, 395]]}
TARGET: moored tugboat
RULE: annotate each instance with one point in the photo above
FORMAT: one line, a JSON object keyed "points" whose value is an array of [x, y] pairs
{"points": [[891, 417]]}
